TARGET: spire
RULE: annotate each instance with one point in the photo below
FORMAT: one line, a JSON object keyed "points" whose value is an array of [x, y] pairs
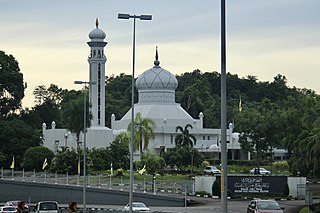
{"points": [[156, 62], [97, 22]]}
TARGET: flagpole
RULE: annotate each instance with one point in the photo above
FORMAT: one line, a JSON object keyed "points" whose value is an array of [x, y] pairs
{"points": [[12, 168], [110, 183]]}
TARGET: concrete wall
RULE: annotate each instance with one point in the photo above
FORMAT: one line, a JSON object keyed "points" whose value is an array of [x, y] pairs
{"points": [[63, 194], [297, 186]]}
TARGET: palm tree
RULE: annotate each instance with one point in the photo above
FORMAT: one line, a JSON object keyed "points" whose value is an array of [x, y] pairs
{"points": [[184, 138], [313, 150], [143, 131]]}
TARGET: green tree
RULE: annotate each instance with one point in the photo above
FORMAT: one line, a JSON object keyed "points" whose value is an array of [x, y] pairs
{"points": [[15, 138], [143, 131], [65, 161], [182, 157], [313, 151], [118, 94], [11, 84], [184, 138], [260, 130], [152, 162], [101, 158], [119, 151], [72, 113], [34, 157]]}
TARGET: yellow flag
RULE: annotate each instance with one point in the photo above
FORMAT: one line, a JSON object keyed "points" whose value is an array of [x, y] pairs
{"points": [[143, 170], [79, 167], [45, 164], [111, 170], [240, 105], [12, 164]]}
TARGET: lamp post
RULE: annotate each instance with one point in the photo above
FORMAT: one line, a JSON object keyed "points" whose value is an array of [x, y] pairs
{"points": [[141, 17], [66, 140], [84, 138], [224, 181]]}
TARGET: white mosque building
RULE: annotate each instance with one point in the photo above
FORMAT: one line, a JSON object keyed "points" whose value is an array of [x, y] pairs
{"points": [[156, 88]]}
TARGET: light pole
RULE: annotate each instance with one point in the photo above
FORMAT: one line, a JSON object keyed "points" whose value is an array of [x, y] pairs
{"points": [[141, 17], [66, 140], [84, 138], [224, 180]]}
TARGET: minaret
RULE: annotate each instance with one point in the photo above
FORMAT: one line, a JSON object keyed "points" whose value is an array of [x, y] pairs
{"points": [[97, 61]]}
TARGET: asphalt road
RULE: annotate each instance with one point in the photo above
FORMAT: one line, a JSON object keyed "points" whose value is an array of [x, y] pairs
{"points": [[214, 205]]}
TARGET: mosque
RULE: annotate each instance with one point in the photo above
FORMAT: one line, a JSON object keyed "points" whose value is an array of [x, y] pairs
{"points": [[156, 88]]}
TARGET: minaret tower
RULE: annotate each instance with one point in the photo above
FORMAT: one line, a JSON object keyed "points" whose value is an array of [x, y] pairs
{"points": [[97, 61]]}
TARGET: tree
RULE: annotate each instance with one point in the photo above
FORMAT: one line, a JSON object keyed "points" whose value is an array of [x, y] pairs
{"points": [[66, 161], [152, 162], [144, 132], [184, 138], [182, 157], [72, 113], [11, 84], [15, 138], [101, 158], [313, 151], [119, 151], [260, 130], [34, 157]]}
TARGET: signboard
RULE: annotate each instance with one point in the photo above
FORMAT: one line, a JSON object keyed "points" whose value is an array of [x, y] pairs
{"points": [[256, 184]]}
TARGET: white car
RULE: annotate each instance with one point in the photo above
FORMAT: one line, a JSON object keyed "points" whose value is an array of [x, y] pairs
{"points": [[137, 206], [8, 209], [211, 170], [262, 171], [46, 207]]}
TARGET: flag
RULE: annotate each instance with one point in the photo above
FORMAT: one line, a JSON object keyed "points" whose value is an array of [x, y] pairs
{"points": [[45, 164], [111, 170], [79, 167], [240, 105], [12, 164], [142, 170]]}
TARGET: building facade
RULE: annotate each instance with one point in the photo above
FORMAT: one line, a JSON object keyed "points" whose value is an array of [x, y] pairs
{"points": [[156, 88]]}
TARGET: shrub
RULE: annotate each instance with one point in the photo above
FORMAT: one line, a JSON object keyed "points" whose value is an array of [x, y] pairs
{"points": [[216, 191], [286, 190]]}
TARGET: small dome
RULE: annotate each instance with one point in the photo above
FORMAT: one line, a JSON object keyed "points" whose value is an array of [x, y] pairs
{"points": [[97, 34], [156, 78]]}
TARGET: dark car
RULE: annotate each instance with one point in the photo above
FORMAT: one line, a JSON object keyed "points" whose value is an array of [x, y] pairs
{"points": [[264, 206]]}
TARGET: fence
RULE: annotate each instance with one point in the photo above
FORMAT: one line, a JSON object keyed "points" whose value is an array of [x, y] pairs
{"points": [[101, 181]]}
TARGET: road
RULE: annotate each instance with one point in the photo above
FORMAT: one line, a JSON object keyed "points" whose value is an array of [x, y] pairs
{"points": [[214, 205]]}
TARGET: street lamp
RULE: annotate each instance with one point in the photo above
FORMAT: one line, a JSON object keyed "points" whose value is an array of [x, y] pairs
{"points": [[66, 140], [141, 17], [84, 138], [224, 180]]}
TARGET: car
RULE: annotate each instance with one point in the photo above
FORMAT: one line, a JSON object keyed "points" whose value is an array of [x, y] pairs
{"points": [[46, 207], [137, 206], [261, 171], [18, 204], [264, 206], [8, 209], [211, 170]]}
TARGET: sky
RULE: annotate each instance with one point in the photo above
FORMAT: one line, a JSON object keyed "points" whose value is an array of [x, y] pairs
{"points": [[264, 38]]}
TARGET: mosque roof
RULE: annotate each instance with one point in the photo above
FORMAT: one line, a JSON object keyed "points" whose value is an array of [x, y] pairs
{"points": [[156, 78]]}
